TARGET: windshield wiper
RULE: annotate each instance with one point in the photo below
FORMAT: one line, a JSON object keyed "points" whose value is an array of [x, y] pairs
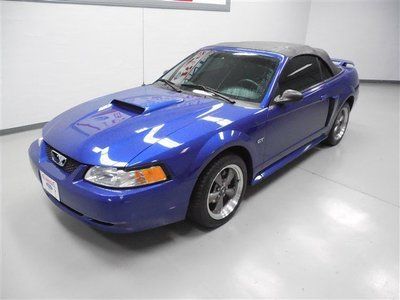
{"points": [[171, 84], [210, 90]]}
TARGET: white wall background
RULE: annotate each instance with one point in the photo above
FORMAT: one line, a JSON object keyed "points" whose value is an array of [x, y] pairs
{"points": [[366, 32], [58, 55], [55, 56], [174, 34]]}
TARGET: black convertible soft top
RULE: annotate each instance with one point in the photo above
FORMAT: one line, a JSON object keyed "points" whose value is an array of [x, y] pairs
{"points": [[287, 49]]}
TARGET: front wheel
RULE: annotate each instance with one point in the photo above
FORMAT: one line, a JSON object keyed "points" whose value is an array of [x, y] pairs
{"points": [[339, 126], [218, 191]]}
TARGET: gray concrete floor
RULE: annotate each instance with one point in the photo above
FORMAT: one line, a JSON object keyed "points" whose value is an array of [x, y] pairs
{"points": [[327, 225]]}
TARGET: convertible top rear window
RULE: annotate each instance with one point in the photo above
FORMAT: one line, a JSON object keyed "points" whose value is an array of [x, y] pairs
{"points": [[239, 75]]}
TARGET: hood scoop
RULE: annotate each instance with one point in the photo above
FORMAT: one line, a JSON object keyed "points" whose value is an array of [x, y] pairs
{"points": [[128, 106], [143, 105]]}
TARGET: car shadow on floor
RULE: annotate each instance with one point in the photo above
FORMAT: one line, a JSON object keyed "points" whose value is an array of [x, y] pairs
{"points": [[157, 237]]}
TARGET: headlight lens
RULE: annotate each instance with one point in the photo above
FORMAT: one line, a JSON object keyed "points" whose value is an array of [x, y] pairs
{"points": [[116, 178]]}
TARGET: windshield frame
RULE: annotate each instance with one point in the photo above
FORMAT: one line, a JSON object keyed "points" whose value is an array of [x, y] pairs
{"points": [[264, 99]]}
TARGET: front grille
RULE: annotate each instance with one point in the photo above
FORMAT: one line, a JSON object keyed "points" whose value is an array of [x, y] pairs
{"points": [[69, 166]]}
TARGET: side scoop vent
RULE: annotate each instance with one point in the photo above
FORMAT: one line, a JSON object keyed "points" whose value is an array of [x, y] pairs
{"points": [[128, 106]]}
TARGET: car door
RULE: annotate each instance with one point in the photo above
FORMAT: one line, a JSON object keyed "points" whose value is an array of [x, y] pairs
{"points": [[291, 125]]}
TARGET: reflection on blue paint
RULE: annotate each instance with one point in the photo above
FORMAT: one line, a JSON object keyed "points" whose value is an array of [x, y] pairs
{"points": [[102, 119]]}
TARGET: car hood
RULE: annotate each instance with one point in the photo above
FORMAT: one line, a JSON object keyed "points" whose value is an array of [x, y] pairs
{"points": [[112, 130]]}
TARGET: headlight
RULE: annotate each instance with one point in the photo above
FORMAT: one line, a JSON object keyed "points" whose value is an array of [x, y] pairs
{"points": [[116, 178]]}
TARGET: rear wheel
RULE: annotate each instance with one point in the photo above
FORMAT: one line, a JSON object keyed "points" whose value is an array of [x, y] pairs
{"points": [[339, 126], [219, 191]]}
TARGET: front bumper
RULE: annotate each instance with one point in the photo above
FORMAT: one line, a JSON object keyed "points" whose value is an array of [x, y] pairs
{"points": [[115, 210]]}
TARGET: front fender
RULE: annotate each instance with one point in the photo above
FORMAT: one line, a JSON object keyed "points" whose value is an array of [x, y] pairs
{"points": [[217, 144]]}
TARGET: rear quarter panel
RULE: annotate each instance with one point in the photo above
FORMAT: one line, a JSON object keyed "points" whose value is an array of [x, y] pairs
{"points": [[342, 87]]}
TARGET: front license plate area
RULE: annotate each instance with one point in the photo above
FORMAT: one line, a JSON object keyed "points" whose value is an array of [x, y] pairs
{"points": [[49, 185]]}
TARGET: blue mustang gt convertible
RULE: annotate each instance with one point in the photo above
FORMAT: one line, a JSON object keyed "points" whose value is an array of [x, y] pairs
{"points": [[187, 145]]}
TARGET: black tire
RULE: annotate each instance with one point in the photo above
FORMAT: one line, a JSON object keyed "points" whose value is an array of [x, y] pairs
{"points": [[199, 209], [334, 137]]}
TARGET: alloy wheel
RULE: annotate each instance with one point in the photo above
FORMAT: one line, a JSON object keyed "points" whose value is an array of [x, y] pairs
{"points": [[340, 125], [225, 192]]}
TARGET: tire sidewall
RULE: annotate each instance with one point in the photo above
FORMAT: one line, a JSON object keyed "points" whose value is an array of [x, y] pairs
{"points": [[198, 210], [331, 138]]}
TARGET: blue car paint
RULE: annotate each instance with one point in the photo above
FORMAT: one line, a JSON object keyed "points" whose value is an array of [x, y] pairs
{"points": [[183, 132]]}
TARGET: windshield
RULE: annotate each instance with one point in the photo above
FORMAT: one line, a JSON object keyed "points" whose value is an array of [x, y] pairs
{"points": [[239, 75]]}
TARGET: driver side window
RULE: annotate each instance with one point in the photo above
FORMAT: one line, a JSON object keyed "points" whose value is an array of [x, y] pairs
{"points": [[300, 73]]}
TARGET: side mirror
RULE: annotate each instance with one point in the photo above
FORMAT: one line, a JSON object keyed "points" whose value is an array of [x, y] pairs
{"points": [[289, 96]]}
